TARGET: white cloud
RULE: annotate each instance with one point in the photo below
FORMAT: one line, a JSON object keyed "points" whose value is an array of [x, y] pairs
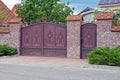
{"points": [[11, 3]]}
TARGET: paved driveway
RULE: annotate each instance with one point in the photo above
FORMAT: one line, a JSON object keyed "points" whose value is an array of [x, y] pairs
{"points": [[26, 60], [41, 68]]}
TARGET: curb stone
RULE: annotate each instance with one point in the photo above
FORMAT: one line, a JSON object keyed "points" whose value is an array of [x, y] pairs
{"points": [[114, 68]]}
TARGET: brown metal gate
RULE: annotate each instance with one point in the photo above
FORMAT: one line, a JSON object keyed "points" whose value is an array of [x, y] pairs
{"points": [[44, 39], [88, 38]]}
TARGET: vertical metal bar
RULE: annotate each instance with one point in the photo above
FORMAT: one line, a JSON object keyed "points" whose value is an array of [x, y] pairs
{"points": [[65, 28], [21, 36], [81, 40], [55, 30], [43, 37]]}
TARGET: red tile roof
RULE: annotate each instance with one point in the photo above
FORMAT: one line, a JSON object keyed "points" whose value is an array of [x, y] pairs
{"points": [[74, 18], [104, 16], [6, 12], [14, 9]]}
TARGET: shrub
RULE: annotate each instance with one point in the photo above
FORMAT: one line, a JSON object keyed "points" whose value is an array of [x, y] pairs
{"points": [[114, 58], [99, 56], [1, 54], [7, 50], [105, 56]]}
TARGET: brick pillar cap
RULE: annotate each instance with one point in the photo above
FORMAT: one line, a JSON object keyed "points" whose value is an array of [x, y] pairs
{"points": [[74, 18], [15, 21], [105, 16]]}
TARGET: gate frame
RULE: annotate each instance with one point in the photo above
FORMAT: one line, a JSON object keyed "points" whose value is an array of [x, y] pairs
{"points": [[43, 35]]}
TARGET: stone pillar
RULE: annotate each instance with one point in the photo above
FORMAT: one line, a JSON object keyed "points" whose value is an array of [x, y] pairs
{"points": [[15, 30], [15, 33], [73, 36]]}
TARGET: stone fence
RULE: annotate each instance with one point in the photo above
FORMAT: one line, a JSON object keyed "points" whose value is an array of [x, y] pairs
{"points": [[10, 36], [105, 36]]}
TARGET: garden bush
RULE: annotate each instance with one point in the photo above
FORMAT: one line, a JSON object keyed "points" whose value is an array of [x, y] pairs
{"points": [[114, 57], [7, 50], [1, 54], [105, 56]]}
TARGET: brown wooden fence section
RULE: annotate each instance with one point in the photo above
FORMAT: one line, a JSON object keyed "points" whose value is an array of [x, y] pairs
{"points": [[44, 39]]}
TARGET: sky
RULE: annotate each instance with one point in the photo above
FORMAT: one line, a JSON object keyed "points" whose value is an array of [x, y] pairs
{"points": [[79, 5]]}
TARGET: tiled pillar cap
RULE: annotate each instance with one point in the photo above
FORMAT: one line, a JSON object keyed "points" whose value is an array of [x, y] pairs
{"points": [[15, 21], [105, 16], [74, 18]]}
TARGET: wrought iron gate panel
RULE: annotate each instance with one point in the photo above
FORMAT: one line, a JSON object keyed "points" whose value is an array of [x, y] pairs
{"points": [[53, 34], [49, 36], [32, 37], [88, 38], [32, 42], [60, 37]]}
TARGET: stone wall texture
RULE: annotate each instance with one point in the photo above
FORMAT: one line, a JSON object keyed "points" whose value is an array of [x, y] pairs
{"points": [[73, 39], [12, 38], [106, 38]]}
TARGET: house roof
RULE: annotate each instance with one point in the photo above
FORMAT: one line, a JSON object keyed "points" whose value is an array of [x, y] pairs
{"points": [[14, 9], [107, 2], [85, 10], [6, 12]]}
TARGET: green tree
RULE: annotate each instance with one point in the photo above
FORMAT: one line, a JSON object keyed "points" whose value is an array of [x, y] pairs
{"points": [[116, 17], [33, 11], [1, 16]]}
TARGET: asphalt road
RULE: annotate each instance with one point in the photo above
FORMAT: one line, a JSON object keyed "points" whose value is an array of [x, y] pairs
{"points": [[54, 72]]}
